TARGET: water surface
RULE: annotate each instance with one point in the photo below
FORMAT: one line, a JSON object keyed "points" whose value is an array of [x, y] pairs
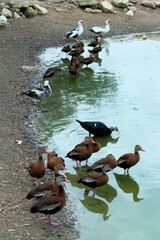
{"points": [[120, 89]]}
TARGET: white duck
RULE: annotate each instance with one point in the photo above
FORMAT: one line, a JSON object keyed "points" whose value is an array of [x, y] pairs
{"points": [[40, 92], [101, 30], [75, 33]]}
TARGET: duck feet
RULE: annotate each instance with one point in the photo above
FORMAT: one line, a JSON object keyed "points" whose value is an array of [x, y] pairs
{"points": [[55, 224]]}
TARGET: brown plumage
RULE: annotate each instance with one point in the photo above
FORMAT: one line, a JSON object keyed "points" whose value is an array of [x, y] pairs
{"points": [[73, 70], [75, 62], [98, 165], [66, 49], [76, 52], [94, 145], [54, 160], [38, 169], [53, 202], [94, 42], [96, 49], [128, 160], [95, 179], [51, 71], [88, 60], [46, 187], [80, 153], [78, 44]]}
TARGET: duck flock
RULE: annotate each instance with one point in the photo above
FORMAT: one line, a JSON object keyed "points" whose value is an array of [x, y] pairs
{"points": [[50, 195]]}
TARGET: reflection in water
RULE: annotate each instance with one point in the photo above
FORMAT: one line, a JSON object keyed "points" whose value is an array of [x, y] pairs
{"points": [[128, 185], [107, 192], [105, 140], [95, 205]]}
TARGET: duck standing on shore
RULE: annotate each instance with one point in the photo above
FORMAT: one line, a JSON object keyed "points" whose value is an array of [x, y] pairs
{"points": [[101, 30], [40, 92], [52, 202], [76, 32]]}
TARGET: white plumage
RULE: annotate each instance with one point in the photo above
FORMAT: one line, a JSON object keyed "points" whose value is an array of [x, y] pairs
{"points": [[101, 30], [75, 33]]}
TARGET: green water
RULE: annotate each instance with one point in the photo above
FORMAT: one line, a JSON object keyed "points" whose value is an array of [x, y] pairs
{"points": [[121, 89]]}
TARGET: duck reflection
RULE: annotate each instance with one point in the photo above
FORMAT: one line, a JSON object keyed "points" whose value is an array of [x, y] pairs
{"points": [[128, 185], [105, 140], [107, 192], [73, 178], [87, 70], [95, 205]]}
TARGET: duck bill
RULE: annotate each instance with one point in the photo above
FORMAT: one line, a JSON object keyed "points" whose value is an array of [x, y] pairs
{"points": [[64, 168], [142, 150], [66, 180], [47, 152]]}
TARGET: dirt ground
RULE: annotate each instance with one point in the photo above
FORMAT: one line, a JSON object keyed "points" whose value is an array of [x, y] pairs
{"points": [[19, 44]]}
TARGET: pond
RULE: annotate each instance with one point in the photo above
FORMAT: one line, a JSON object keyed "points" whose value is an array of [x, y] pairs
{"points": [[122, 88]]}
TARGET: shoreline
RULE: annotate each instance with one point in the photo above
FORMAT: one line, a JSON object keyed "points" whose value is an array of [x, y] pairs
{"points": [[20, 45]]}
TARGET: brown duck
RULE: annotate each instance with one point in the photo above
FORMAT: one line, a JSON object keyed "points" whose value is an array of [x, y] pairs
{"points": [[98, 165], [80, 153], [96, 49], [78, 44], [75, 62], [38, 169], [52, 202], [95, 179], [76, 52], [94, 42], [73, 70], [94, 145], [66, 49], [88, 60], [128, 160], [51, 71], [54, 160], [46, 187]]}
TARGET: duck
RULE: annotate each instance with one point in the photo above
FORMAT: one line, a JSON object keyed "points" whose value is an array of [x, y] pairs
{"points": [[96, 49], [97, 128], [78, 44], [94, 42], [54, 160], [110, 160], [46, 187], [50, 72], [66, 49], [72, 70], [75, 33], [76, 52], [75, 62], [80, 153], [88, 60], [39, 93], [38, 169], [95, 179], [52, 202], [128, 160], [101, 30], [94, 145]]}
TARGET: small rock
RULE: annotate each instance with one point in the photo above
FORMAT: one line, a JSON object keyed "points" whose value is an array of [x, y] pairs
{"points": [[40, 10], [6, 12], [90, 10], [120, 3], [30, 12], [16, 15], [106, 7], [148, 3], [29, 69]]}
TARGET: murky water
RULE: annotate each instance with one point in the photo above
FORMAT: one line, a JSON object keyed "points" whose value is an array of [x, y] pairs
{"points": [[121, 89]]}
